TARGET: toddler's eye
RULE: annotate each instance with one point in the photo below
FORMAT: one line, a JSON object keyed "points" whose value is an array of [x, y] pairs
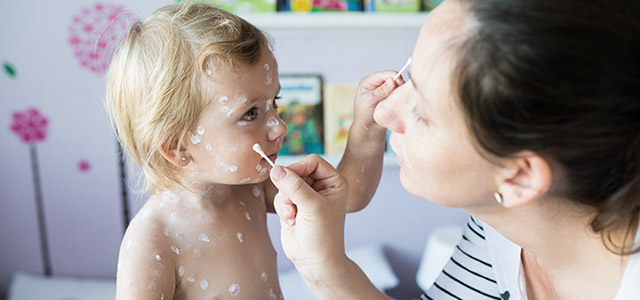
{"points": [[275, 102], [251, 115]]}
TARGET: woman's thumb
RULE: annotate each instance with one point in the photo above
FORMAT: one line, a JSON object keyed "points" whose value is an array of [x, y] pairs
{"points": [[290, 184]]}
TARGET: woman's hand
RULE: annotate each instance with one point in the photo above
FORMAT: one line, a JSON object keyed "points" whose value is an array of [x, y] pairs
{"points": [[311, 204]]}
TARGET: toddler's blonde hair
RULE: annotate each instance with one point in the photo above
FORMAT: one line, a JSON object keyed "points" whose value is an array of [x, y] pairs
{"points": [[157, 81]]}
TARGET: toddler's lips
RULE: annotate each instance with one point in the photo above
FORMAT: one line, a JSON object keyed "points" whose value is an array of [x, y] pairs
{"points": [[273, 157]]}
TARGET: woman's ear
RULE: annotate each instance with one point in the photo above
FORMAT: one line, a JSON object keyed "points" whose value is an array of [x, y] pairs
{"points": [[179, 158], [525, 179]]}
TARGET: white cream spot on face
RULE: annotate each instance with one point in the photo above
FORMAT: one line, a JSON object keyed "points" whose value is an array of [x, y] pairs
{"points": [[197, 252], [178, 236], [166, 231], [266, 67], [200, 130], [203, 237], [267, 80], [208, 146], [234, 289], [209, 72], [181, 271], [272, 295], [191, 279], [204, 284], [230, 112], [173, 217], [269, 105], [256, 191], [223, 99], [158, 257], [195, 139], [241, 202], [233, 149], [233, 169], [175, 249], [263, 171], [239, 236], [272, 122], [264, 276], [243, 123], [147, 213], [247, 215], [245, 180], [224, 109], [129, 244]]}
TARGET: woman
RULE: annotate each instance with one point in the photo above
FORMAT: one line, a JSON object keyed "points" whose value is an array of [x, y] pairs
{"points": [[525, 114]]}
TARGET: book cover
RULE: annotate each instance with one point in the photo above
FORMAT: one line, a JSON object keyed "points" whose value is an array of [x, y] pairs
{"points": [[241, 6], [300, 107], [394, 5], [338, 116]]}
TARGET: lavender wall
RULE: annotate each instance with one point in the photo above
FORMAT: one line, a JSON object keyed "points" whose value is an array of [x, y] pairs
{"points": [[82, 206]]}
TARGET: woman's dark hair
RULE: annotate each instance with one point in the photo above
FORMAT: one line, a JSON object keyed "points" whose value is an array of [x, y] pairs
{"points": [[562, 79]]}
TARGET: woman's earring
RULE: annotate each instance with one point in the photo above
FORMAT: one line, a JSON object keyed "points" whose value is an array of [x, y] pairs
{"points": [[498, 197]]}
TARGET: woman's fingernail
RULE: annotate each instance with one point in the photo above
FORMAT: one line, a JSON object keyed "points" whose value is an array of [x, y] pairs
{"points": [[278, 173], [290, 221]]}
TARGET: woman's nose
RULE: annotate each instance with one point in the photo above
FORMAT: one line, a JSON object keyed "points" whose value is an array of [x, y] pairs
{"points": [[277, 128], [386, 114]]}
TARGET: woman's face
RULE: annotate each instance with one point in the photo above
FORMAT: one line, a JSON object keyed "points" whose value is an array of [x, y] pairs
{"points": [[242, 112], [429, 135]]}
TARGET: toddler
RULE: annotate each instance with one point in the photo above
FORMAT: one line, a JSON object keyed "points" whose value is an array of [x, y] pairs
{"points": [[190, 90]]}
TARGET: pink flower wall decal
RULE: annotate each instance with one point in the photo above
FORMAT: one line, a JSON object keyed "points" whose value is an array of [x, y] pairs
{"points": [[84, 166], [96, 32], [30, 126]]}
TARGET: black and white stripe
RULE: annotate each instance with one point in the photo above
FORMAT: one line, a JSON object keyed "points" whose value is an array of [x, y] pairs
{"points": [[469, 273]]}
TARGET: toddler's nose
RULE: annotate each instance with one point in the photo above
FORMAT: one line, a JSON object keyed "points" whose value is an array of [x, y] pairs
{"points": [[278, 128], [386, 114]]}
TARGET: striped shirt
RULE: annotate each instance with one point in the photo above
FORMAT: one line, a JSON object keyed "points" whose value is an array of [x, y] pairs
{"points": [[485, 265]]}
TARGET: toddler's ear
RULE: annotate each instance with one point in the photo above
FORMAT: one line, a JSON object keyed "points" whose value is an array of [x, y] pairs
{"points": [[179, 158]]}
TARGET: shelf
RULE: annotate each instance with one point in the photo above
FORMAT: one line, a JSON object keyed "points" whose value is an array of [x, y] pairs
{"points": [[389, 159], [328, 21]]}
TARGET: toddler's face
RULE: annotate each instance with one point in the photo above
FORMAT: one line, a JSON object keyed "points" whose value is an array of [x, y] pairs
{"points": [[242, 112]]}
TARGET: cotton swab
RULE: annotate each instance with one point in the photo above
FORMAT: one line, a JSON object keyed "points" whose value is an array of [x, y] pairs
{"points": [[257, 148], [402, 70]]}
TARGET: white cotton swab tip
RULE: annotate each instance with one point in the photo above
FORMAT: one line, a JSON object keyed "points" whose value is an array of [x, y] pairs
{"points": [[402, 70], [257, 148]]}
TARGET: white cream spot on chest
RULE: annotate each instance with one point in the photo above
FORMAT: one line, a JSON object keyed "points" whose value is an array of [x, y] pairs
{"points": [[203, 237], [204, 284], [240, 237], [234, 289]]}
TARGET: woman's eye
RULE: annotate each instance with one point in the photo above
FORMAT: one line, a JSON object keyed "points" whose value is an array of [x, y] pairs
{"points": [[275, 102], [251, 115]]}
